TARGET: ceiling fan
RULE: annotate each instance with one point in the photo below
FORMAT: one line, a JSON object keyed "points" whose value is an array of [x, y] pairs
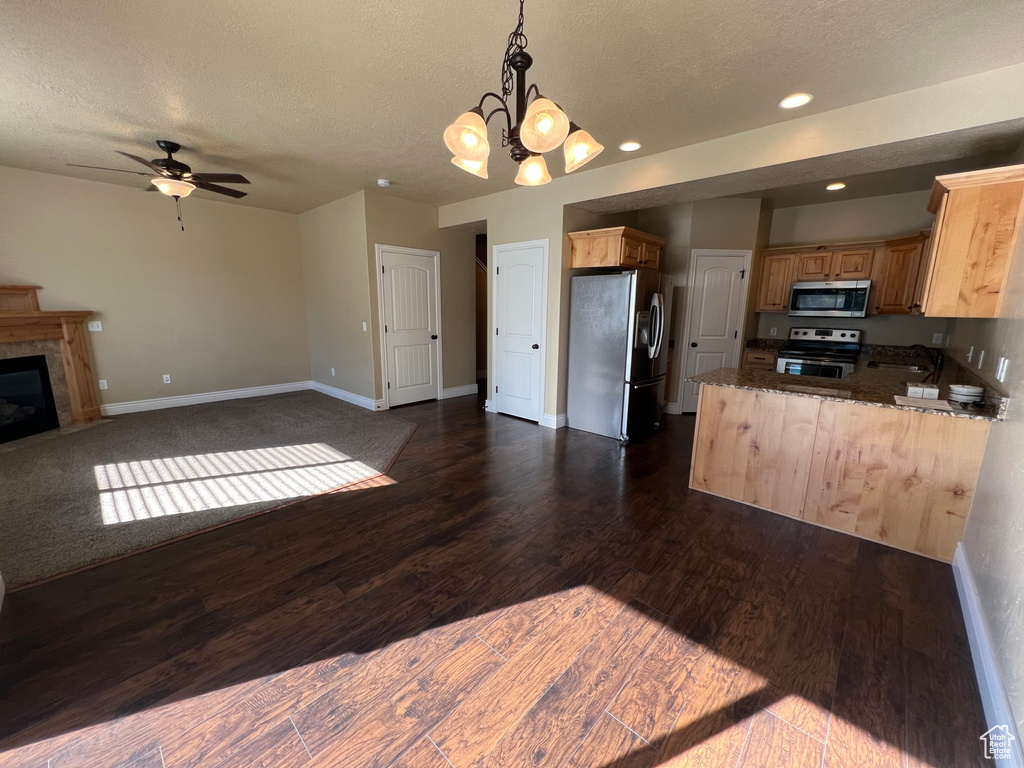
{"points": [[174, 178]]}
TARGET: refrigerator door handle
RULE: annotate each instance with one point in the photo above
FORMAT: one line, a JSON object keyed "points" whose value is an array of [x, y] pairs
{"points": [[647, 384], [658, 309]]}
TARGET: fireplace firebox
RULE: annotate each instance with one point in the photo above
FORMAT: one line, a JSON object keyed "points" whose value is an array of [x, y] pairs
{"points": [[26, 398]]}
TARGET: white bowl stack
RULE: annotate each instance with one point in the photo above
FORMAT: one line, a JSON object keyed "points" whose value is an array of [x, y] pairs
{"points": [[965, 393]]}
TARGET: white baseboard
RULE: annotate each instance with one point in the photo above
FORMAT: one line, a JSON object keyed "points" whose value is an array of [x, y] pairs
{"points": [[993, 695], [551, 421], [673, 409], [158, 403], [490, 407], [481, 374], [340, 394], [468, 389]]}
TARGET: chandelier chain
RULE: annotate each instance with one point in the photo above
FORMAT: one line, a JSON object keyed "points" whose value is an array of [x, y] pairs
{"points": [[516, 43]]}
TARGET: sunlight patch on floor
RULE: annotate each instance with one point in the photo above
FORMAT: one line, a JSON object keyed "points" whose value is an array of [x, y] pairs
{"points": [[151, 488]]}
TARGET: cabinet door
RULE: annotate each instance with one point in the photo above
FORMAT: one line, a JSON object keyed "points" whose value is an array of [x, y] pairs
{"points": [[650, 255], [776, 281], [813, 267], [899, 279], [852, 265], [632, 252]]}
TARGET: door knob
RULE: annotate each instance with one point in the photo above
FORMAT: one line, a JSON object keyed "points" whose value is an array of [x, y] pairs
{"points": [[536, 346], [693, 343], [433, 336]]}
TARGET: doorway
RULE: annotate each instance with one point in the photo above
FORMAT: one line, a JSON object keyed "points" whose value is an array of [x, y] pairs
{"points": [[410, 324], [520, 310], [716, 303]]}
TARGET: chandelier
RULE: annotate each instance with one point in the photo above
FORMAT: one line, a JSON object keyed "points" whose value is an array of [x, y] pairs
{"points": [[540, 125]]}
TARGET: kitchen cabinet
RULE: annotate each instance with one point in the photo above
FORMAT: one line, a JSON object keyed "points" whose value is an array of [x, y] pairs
{"points": [[775, 282], [901, 266], [815, 266], [902, 478], [759, 359], [853, 264], [616, 247], [978, 220]]}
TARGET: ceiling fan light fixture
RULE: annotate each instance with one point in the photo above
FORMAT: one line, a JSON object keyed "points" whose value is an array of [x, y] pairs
{"points": [[476, 167], [173, 187], [466, 138], [533, 172], [544, 127], [580, 148]]}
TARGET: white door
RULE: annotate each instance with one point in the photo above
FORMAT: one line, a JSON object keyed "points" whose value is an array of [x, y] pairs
{"points": [[410, 304], [714, 325], [520, 302]]}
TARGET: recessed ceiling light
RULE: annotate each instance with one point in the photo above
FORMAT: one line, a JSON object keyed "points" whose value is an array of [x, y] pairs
{"points": [[835, 186], [629, 146], [796, 100]]}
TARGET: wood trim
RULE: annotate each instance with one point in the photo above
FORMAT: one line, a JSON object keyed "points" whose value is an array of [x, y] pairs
{"points": [[633, 234], [944, 184]]}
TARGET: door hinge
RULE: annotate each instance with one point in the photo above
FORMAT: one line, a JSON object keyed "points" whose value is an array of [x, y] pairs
{"points": [[495, 331], [382, 269], [497, 270], [743, 274], [735, 334], [385, 329], [495, 389], [389, 385]]}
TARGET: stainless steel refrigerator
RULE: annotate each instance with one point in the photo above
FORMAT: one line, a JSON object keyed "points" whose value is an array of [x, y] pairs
{"points": [[617, 358]]}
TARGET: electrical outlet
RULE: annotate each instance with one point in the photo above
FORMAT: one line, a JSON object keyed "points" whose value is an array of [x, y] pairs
{"points": [[937, 338], [332, 371], [1004, 363], [94, 325], [167, 378], [773, 331], [364, 327], [103, 383], [981, 358], [970, 353]]}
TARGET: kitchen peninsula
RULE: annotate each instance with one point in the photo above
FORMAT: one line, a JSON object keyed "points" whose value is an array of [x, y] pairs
{"points": [[843, 454]]}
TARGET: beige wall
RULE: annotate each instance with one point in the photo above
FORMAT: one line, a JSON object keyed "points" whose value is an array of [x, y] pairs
{"points": [[867, 218], [393, 221], [337, 284], [218, 306], [481, 304], [536, 213], [994, 537]]}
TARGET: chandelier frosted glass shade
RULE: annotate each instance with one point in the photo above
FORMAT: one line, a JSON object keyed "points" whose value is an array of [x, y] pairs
{"points": [[476, 167], [533, 172], [173, 187], [466, 138], [580, 148], [544, 127]]}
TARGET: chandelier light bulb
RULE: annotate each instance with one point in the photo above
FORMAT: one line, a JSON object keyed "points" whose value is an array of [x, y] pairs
{"points": [[476, 167], [533, 172], [467, 137], [544, 127], [580, 148]]}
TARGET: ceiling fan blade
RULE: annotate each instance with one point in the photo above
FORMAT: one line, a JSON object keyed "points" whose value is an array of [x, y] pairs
{"points": [[100, 168], [146, 163], [223, 178], [220, 190]]}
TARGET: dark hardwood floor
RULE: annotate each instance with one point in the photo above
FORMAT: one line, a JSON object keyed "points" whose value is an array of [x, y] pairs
{"points": [[515, 597]]}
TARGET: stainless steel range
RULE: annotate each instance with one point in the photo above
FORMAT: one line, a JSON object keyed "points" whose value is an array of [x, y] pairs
{"points": [[827, 352]]}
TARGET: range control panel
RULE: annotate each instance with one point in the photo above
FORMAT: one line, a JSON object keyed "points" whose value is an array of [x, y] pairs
{"points": [[825, 334]]}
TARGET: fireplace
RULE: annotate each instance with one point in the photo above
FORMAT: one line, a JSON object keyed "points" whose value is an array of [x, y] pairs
{"points": [[26, 398]]}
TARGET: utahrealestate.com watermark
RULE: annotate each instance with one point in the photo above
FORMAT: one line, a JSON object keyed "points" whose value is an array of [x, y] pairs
{"points": [[997, 742]]}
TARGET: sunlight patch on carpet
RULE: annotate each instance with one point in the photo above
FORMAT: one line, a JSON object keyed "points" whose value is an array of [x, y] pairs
{"points": [[153, 488]]}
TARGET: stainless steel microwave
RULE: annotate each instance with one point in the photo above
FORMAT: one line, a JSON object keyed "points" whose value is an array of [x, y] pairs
{"points": [[840, 298]]}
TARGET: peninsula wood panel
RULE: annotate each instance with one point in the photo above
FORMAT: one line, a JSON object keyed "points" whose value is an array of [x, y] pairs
{"points": [[902, 478], [754, 447]]}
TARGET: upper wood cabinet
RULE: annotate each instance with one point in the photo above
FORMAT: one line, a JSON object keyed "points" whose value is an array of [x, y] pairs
{"points": [[815, 266], [895, 294], [852, 264], [978, 220], [616, 247], [775, 282]]}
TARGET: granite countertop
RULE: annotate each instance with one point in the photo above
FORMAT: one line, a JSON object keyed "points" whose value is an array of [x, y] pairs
{"points": [[866, 386]]}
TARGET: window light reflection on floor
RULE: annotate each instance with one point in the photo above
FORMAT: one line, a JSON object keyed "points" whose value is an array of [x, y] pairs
{"points": [[140, 490]]}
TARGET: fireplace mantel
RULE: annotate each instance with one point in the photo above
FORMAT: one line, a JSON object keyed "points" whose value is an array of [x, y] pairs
{"points": [[69, 329]]}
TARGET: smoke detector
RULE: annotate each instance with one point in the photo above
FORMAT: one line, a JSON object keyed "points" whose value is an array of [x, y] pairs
{"points": [[383, 182]]}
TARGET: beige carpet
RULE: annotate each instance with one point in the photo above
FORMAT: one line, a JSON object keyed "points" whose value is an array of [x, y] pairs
{"points": [[147, 478]]}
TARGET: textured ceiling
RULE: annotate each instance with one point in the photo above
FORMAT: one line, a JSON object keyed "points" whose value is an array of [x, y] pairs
{"points": [[315, 100]]}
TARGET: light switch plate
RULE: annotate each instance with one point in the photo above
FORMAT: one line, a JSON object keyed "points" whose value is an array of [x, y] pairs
{"points": [[95, 325], [773, 331]]}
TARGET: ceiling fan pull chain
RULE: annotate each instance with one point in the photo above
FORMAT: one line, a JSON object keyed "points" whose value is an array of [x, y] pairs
{"points": [[177, 202]]}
